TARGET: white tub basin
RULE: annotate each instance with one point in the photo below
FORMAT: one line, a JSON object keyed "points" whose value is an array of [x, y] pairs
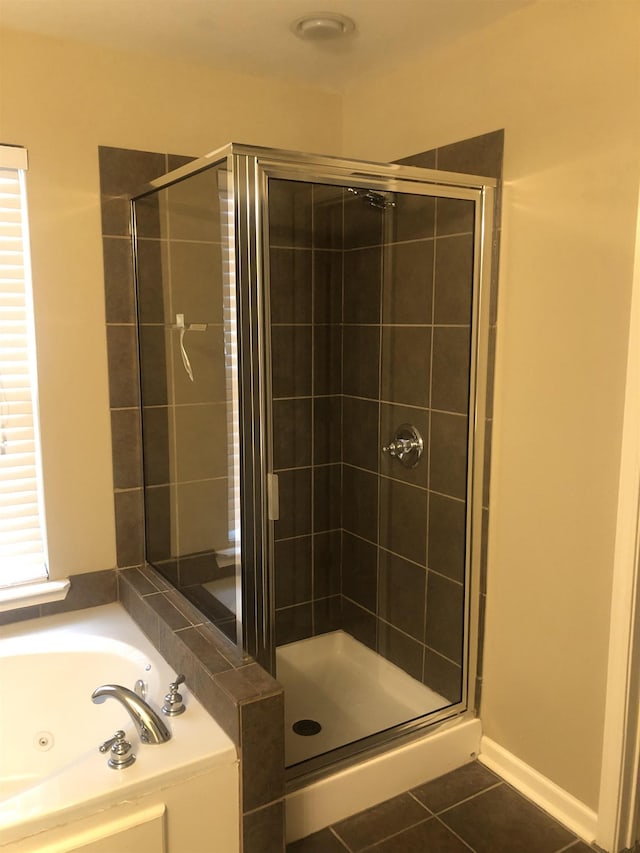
{"points": [[50, 768]]}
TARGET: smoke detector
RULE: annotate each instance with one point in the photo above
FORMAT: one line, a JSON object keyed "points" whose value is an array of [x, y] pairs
{"points": [[322, 26]]}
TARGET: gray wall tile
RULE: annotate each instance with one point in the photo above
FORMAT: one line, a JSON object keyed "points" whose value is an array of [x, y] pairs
{"points": [[443, 676], [127, 449], [295, 503], [129, 527], [327, 429], [447, 519], [293, 571], [327, 286], [360, 502], [122, 355], [400, 649], [360, 571], [449, 442], [360, 365], [358, 622], [292, 433], [402, 589], [290, 213], [362, 283], [450, 374], [453, 280], [294, 623], [118, 279], [406, 355], [262, 745], [292, 361], [360, 441], [290, 280], [408, 283], [403, 520], [327, 563], [445, 607], [263, 829]]}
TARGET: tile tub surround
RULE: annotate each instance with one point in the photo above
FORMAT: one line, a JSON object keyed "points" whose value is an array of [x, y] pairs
{"points": [[244, 699], [469, 809]]}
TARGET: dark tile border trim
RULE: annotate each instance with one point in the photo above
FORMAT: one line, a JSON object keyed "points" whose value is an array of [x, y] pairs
{"points": [[90, 589], [241, 696]]}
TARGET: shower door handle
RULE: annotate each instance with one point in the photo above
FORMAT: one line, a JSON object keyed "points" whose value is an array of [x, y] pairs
{"points": [[273, 497]]}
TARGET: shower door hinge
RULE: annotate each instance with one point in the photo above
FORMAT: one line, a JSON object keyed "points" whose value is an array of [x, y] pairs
{"points": [[273, 497]]}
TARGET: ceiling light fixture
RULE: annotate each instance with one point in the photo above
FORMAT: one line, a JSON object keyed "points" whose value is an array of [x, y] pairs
{"points": [[321, 26]]}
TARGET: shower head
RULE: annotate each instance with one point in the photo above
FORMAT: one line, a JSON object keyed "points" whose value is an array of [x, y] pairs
{"points": [[375, 199]]}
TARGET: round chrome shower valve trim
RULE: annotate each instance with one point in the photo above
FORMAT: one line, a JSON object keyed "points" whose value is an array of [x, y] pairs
{"points": [[406, 446]]}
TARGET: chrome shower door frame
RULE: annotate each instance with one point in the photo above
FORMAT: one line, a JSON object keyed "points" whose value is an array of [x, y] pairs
{"points": [[257, 167], [250, 170]]}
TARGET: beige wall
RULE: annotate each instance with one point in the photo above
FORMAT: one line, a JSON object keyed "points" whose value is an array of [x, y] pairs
{"points": [[562, 79], [62, 100]]}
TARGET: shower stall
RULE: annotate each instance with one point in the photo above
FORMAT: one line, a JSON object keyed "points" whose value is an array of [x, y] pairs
{"points": [[313, 338]]}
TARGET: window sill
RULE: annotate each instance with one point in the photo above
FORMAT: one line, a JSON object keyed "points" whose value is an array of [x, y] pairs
{"points": [[27, 595]]}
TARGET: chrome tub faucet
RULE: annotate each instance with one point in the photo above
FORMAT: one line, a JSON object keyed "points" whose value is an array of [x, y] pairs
{"points": [[150, 726]]}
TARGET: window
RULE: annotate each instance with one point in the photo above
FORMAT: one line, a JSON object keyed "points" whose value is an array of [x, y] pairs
{"points": [[22, 539]]}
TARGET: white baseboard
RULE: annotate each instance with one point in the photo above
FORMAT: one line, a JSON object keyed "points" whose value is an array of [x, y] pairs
{"points": [[542, 791]]}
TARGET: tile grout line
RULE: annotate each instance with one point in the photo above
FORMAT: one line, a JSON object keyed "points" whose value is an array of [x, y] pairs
{"points": [[453, 832], [470, 797], [396, 834], [340, 839], [413, 796]]}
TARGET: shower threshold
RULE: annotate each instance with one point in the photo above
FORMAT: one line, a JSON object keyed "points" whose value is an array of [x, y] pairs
{"points": [[348, 689]]}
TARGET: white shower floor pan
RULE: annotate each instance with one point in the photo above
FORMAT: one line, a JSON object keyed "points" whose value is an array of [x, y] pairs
{"points": [[347, 688]]}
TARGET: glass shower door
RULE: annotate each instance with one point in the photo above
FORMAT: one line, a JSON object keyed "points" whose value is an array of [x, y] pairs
{"points": [[373, 316]]}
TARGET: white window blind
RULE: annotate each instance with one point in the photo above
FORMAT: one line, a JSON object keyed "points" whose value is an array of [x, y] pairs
{"points": [[22, 539]]}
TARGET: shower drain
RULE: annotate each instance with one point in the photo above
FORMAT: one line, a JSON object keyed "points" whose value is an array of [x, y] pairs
{"points": [[306, 727]]}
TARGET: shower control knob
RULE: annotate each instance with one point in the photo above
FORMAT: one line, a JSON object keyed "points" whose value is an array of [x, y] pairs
{"points": [[406, 446]]}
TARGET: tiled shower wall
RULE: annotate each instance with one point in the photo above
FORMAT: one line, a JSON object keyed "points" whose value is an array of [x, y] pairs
{"points": [[306, 334], [479, 155], [407, 320], [398, 283]]}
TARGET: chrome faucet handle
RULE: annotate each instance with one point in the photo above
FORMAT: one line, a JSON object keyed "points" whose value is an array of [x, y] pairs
{"points": [[173, 704], [120, 749]]}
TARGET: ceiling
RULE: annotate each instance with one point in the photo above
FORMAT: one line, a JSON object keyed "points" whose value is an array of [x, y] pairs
{"points": [[254, 36]]}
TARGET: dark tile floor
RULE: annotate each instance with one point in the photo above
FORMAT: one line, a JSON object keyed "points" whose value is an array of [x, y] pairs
{"points": [[468, 809]]}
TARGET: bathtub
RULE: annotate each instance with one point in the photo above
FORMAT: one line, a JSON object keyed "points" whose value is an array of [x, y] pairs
{"points": [[57, 791]]}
